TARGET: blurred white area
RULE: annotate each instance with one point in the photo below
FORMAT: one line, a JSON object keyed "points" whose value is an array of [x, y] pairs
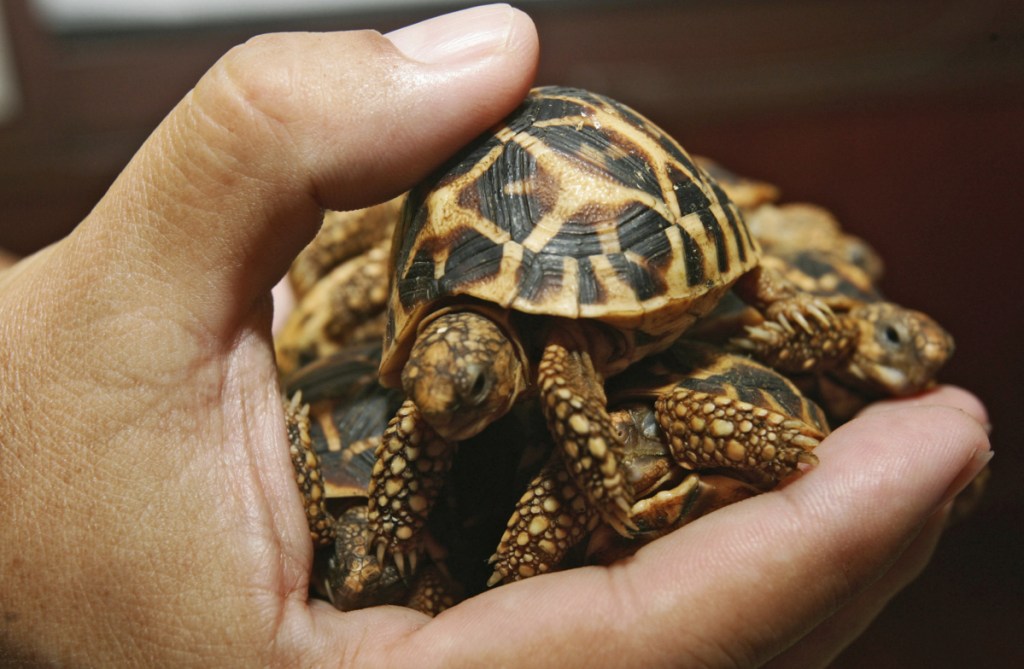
{"points": [[64, 15], [9, 98]]}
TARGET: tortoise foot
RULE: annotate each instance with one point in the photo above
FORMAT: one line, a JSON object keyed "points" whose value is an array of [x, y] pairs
{"points": [[800, 334]]}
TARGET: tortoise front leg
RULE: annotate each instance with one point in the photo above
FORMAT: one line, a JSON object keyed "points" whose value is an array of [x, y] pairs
{"points": [[549, 519], [573, 401], [307, 470], [412, 465], [800, 332], [717, 431]]}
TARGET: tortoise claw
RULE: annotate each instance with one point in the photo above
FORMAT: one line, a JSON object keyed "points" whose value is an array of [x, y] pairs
{"points": [[404, 557], [495, 579], [821, 341], [623, 522], [399, 559]]}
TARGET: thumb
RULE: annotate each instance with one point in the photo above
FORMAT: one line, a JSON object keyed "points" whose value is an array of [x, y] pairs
{"points": [[230, 186]]}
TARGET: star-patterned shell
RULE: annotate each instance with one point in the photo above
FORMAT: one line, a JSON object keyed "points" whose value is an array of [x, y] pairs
{"points": [[575, 206]]}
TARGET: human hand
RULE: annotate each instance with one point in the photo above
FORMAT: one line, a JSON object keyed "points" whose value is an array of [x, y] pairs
{"points": [[149, 502]]}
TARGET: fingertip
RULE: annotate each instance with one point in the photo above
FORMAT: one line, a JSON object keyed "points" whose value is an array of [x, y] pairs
{"points": [[467, 35]]}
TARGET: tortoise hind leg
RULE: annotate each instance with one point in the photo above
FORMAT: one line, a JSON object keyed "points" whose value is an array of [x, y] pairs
{"points": [[573, 402]]}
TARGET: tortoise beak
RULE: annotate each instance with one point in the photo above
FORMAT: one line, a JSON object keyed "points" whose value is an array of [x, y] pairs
{"points": [[443, 407]]}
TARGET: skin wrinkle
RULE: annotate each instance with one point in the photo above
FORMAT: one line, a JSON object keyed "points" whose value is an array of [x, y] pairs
{"points": [[763, 572], [828, 502], [273, 497], [219, 245], [268, 97]]}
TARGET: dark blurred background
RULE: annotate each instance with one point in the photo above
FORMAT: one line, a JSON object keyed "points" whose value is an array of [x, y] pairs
{"points": [[906, 119]]}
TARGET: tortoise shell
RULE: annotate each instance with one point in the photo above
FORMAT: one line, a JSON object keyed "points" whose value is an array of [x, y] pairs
{"points": [[828, 275], [793, 228], [575, 206]]}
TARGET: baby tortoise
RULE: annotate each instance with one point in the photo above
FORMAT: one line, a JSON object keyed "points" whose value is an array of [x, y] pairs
{"points": [[891, 351], [572, 240], [693, 408], [337, 434], [341, 285]]}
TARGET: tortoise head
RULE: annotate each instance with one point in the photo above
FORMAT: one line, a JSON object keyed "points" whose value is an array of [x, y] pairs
{"points": [[463, 373], [900, 350]]}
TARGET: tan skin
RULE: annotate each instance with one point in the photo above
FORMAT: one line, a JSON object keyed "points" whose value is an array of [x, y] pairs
{"points": [[149, 511]]}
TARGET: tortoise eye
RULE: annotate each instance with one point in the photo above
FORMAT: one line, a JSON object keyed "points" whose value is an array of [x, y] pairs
{"points": [[893, 336], [479, 386]]}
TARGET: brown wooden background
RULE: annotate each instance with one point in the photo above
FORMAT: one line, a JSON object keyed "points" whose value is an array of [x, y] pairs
{"points": [[904, 118]]}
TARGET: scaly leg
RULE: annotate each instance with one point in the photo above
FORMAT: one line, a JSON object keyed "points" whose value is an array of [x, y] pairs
{"points": [[307, 470], [412, 466], [573, 401], [710, 431], [550, 518], [800, 332]]}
